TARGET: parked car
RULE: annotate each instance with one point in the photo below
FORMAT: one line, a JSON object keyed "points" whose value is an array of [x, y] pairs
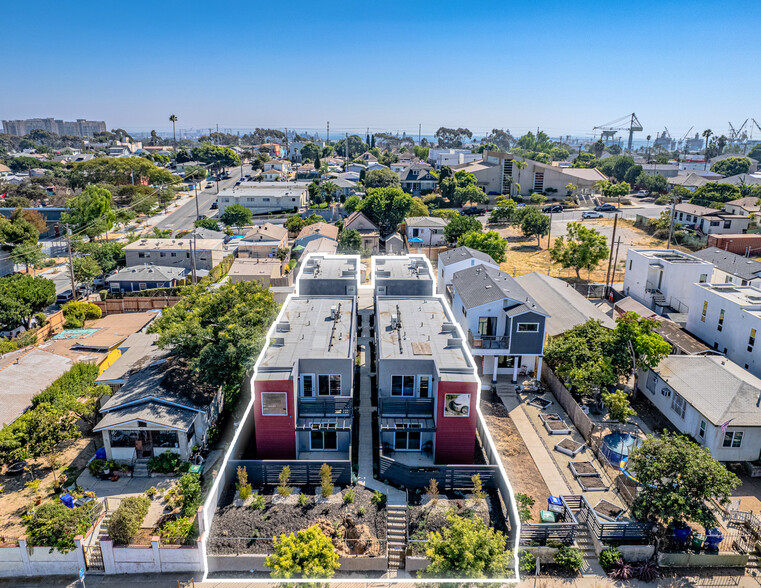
{"points": [[592, 214], [83, 290], [606, 208], [214, 205], [553, 208], [473, 211], [209, 185], [641, 194], [64, 297]]}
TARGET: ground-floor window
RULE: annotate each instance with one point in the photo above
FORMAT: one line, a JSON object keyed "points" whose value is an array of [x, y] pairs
{"points": [[733, 439], [506, 361], [323, 440], [123, 438]]}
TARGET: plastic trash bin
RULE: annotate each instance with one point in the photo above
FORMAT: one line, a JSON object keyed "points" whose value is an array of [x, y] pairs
{"points": [[554, 504], [697, 540], [68, 500], [547, 516], [713, 538], [100, 453]]}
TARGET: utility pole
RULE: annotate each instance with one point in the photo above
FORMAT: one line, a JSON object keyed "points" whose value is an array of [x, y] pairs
{"points": [[671, 222], [610, 259], [615, 263], [328, 132], [192, 245], [419, 132], [198, 213], [71, 262]]}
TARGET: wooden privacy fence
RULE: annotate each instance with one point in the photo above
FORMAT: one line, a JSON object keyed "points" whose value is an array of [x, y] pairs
{"points": [[53, 326], [579, 418], [303, 472], [135, 304]]}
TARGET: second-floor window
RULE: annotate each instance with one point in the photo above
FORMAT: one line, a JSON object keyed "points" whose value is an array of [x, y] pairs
{"points": [[329, 385], [721, 320], [424, 386], [307, 385], [751, 340], [705, 311], [403, 386], [528, 327]]}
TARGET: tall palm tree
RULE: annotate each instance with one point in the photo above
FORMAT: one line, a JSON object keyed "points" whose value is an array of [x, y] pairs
{"points": [[707, 135], [173, 118]]}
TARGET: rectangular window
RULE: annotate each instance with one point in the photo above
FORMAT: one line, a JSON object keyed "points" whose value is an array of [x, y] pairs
{"points": [[751, 340], [162, 254], [402, 385], [307, 385], [329, 385], [141, 255], [174, 254], [274, 404], [728, 280], [703, 278], [142, 285], [721, 320], [323, 440], [630, 264], [705, 311], [528, 327], [715, 223], [678, 404], [702, 430], [424, 386], [665, 392], [464, 312], [733, 439], [407, 440], [727, 224]]}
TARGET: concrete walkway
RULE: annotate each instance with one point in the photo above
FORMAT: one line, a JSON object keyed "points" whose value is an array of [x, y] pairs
{"points": [[552, 477], [365, 465]]}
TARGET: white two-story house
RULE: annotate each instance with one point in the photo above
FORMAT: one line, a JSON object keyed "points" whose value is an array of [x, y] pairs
{"points": [[503, 324]]}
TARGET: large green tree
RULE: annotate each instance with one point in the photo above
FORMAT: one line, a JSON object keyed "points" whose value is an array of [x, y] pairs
{"points": [[678, 480], [459, 225], [219, 332], [450, 137], [350, 241], [489, 242], [381, 178], [386, 207], [236, 215], [21, 297], [216, 156], [310, 152], [715, 195], [534, 223], [582, 248], [108, 254], [86, 269], [469, 193], [90, 212], [467, 548], [119, 171], [731, 166]]}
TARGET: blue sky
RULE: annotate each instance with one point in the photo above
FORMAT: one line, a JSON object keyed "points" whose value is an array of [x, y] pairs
{"points": [[562, 66]]}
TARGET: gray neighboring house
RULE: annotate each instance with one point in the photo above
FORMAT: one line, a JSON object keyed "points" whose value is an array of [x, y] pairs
{"points": [[329, 275], [133, 279], [730, 268], [564, 304], [161, 408], [393, 244], [504, 325], [403, 276], [454, 260], [700, 394], [175, 252]]}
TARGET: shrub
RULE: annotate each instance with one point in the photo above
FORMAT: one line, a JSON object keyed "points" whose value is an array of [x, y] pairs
{"points": [[537, 199], [177, 532], [126, 520], [243, 487], [525, 502], [361, 511], [285, 475], [76, 313], [647, 571], [379, 499], [309, 553], [258, 503], [433, 490], [662, 199], [41, 319], [97, 466], [621, 571], [165, 463], [302, 499], [151, 491], [554, 543], [190, 494], [608, 557], [326, 480], [569, 558], [478, 487], [526, 562], [349, 496], [54, 525]]}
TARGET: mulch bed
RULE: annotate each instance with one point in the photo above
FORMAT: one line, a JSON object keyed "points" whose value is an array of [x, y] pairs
{"points": [[237, 530], [427, 517]]}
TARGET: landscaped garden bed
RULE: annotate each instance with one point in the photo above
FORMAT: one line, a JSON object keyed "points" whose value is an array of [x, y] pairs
{"points": [[569, 447], [357, 526]]}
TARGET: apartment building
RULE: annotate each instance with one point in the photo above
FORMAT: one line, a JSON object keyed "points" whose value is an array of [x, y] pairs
{"points": [[710, 221], [264, 197], [326, 275], [505, 327], [728, 318], [175, 253], [78, 128], [402, 276], [428, 390], [663, 278]]}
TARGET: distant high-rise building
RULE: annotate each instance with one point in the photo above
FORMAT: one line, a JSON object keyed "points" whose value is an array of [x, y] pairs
{"points": [[77, 128]]}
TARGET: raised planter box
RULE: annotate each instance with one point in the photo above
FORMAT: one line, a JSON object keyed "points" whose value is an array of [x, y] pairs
{"points": [[543, 554], [570, 447], [541, 403], [416, 562], [608, 511], [592, 483], [702, 560], [753, 468], [636, 553], [583, 469], [550, 417], [557, 428]]}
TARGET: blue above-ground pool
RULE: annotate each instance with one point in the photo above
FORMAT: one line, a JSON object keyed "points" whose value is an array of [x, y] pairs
{"points": [[617, 446]]}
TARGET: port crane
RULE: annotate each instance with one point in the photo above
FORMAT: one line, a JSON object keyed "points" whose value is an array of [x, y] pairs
{"points": [[609, 129]]}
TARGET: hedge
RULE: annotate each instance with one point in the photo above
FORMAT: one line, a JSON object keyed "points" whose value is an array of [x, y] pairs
{"points": [[126, 520]]}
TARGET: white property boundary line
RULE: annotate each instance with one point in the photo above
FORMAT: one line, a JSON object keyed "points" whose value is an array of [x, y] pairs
{"points": [[209, 509]]}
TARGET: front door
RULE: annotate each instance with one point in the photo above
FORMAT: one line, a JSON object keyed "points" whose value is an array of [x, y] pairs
{"points": [[146, 441]]}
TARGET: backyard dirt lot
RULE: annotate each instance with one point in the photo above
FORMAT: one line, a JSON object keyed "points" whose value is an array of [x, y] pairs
{"points": [[521, 469], [17, 496], [523, 255]]}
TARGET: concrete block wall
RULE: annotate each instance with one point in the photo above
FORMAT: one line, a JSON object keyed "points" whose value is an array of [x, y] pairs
{"points": [[21, 560], [151, 559]]}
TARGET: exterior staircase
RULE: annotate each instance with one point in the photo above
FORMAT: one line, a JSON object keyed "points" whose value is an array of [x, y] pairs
{"points": [[585, 544], [396, 533], [141, 469], [753, 563]]}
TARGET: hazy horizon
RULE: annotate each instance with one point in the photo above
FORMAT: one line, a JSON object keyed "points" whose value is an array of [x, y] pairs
{"points": [[562, 67]]}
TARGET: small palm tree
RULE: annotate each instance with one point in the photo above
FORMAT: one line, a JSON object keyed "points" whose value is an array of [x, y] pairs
{"points": [[707, 135], [173, 118]]}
